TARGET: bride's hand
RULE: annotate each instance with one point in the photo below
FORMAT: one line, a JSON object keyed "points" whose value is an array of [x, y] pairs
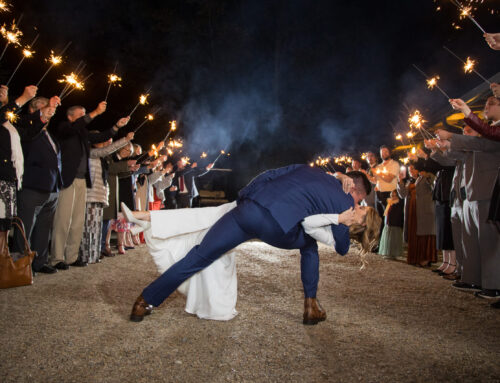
{"points": [[347, 217]]}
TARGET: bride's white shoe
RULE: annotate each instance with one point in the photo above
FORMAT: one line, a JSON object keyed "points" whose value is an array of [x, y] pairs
{"points": [[143, 225]]}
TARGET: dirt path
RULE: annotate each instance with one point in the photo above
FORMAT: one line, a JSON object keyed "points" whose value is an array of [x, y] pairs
{"points": [[388, 323]]}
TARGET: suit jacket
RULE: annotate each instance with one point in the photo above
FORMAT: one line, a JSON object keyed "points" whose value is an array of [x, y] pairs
{"points": [[295, 192], [42, 164], [75, 140], [482, 159], [28, 126]]}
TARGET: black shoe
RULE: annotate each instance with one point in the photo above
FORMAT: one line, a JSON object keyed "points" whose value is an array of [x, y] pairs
{"points": [[462, 286], [488, 294], [61, 266], [79, 263], [129, 248], [46, 269], [495, 305]]}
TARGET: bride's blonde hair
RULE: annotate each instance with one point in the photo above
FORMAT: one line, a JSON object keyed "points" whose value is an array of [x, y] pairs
{"points": [[367, 233]]}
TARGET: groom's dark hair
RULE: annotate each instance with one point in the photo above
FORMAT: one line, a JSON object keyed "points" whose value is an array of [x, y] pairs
{"points": [[361, 182]]}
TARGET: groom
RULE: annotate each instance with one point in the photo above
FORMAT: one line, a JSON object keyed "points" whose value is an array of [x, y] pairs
{"points": [[271, 208]]}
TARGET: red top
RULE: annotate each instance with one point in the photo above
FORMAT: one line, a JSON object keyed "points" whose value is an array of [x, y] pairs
{"points": [[488, 131]]}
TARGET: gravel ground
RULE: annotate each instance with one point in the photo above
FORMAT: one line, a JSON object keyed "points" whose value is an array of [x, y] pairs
{"points": [[389, 322]]}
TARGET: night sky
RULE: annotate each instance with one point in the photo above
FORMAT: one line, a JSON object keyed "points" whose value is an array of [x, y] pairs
{"points": [[276, 82]]}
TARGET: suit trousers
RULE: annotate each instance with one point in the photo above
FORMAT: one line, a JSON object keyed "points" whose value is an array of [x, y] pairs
{"points": [[37, 210], [457, 222], [68, 223], [247, 220], [183, 200], [481, 243]]}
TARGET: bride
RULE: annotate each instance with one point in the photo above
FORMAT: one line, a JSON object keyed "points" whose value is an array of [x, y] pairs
{"points": [[212, 292]]}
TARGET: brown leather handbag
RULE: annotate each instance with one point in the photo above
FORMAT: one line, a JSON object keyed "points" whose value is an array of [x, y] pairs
{"points": [[18, 273]]}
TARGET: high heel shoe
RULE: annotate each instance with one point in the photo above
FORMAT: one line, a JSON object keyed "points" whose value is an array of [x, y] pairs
{"points": [[130, 218]]}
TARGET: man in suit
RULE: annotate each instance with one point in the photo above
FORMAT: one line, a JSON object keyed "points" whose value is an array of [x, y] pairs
{"points": [[270, 208], [37, 200], [183, 188], [481, 240], [74, 139]]}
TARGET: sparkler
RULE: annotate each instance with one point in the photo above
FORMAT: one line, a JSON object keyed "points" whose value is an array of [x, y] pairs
{"points": [[416, 121], [12, 36], [186, 160], [113, 79], [468, 65], [143, 100], [431, 82], [149, 117], [466, 12], [173, 127], [53, 60], [27, 53], [220, 154], [203, 155], [72, 82]]}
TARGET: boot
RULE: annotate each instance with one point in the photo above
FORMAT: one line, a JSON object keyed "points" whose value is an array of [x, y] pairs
{"points": [[313, 312], [140, 309]]}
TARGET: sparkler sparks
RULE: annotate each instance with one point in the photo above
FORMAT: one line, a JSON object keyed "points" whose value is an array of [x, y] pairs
{"points": [[469, 65], [12, 35], [11, 116], [432, 82], [203, 155], [185, 160], [114, 79], [54, 60], [410, 134], [27, 52], [143, 100], [4, 6], [398, 137]]}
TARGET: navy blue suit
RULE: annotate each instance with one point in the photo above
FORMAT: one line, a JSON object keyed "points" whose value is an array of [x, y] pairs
{"points": [[270, 208]]}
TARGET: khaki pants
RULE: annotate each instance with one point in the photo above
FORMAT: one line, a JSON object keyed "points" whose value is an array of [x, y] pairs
{"points": [[68, 223]]}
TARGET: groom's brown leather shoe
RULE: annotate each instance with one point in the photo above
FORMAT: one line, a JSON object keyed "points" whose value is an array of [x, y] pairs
{"points": [[140, 309], [313, 312]]}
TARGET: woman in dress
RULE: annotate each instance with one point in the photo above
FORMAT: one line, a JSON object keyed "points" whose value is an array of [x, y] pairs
{"points": [[420, 223]]}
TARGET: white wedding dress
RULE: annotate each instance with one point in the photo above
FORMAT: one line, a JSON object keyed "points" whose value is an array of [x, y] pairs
{"points": [[212, 292]]}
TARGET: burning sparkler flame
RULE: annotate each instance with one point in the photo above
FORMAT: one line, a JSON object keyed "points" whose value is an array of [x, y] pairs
{"points": [[409, 134], [185, 160], [469, 65], [11, 116], [72, 80], [4, 6], [114, 79], [143, 99], [416, 120], [398, 137], [203, 155], [54, 60], [150, 117], [465, 12], [27, 52], [13, 35], [413, 150], [173, 125], [432, 82]]}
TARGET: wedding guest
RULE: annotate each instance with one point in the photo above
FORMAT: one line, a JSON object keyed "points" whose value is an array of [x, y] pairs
{"points": [[371, 160], [481, 239], [119, 165], [97, 197], [183, 183], [42, 180], [391, 240], [11, 163], [419, 218], [4, 95]]}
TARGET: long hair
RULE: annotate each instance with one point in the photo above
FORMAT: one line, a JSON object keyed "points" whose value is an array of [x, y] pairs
{"points": [[366, 234]]}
